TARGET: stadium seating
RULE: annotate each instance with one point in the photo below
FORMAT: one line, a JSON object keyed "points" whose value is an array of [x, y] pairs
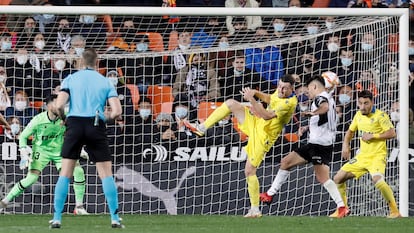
{"points": [[158, 95]]}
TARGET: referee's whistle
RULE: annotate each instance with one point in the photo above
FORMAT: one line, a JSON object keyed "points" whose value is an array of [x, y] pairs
{"points": [[96, 122]]}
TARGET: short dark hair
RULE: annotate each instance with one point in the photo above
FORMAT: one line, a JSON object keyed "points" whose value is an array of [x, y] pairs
{"points": [[144, 99], [89, 57], [288, 78], [50, 98], [365, 94], [316, 78]]}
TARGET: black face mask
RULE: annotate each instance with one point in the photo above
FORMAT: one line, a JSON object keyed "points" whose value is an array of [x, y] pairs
{"points": [[64, 30], [164, 128], [308, 64]]}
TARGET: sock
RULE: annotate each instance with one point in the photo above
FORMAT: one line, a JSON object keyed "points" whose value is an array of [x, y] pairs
{"points": [[253, 189], [216, 116], [342, 191], [61, 192], [79, 185], [20, 186], [333, 191], [281, 177], [111, 195], [388, 195]]}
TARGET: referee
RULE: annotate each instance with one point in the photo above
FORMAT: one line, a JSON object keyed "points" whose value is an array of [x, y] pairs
{"points": [[87, 93]]}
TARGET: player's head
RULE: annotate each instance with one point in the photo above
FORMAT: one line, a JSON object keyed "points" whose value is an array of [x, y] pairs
{"points": [[286, 86], [89, 57], [50, 99], [316, 85], [365, 102]]}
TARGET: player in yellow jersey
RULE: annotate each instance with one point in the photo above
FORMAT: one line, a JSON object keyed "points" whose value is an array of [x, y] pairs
{"points": [[374, 128], [262, 128]]}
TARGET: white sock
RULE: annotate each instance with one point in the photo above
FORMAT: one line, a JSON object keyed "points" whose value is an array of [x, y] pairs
{"points": [[332, 189], [281, 177], [5, 201]]}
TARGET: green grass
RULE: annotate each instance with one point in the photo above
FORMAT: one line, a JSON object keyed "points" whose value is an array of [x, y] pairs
{"points": [[206, 223]]}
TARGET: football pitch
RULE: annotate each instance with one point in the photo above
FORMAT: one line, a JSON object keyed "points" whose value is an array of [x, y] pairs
{"points": [[206, 223]]}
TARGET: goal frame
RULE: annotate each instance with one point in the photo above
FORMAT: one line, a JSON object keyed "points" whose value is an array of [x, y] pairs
{"points": [[402, 13]]}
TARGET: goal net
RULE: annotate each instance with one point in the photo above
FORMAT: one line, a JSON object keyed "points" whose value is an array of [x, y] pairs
{"points": [[198, 62]]}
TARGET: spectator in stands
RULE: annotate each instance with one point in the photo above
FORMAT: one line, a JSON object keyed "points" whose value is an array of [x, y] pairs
{"points": [[367, 53], [366, 81], [46, 22], [220, 60], [25, 37], [345, 68], [198, 81], [20, 73], [280, 3], [6, 45], [267, 61], [63, 35], [279, 26], [241, 33], [252, 22], [293, 51], [306, 67], [207, 33], [12, 134], [21, 108], [93, 29], [126, 39], [330, 23], [164, 123], [184, 44], [328, 55], [124, 94], [238, 77], [346, 100], [78, 44], [142, 126], [183, 111]]}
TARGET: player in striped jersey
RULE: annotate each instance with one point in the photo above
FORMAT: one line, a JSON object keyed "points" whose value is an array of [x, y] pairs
{"points": [[318, 151]]}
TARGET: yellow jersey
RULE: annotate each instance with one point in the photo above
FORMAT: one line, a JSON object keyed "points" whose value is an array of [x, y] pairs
{"points": [[376, 122]]}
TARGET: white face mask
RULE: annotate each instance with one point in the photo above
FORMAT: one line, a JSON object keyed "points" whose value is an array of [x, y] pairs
{"points": [[40, 44], [114, 81], [60, 64], [366, 46], [15, 128], [181, 112], [223, 45], [2, 78], [144, 113], [22, 59], [278, 27], [48, 16], [238, 72], [395, 116], [303, 108], [329, 25], [20, 105], [333, 47], [6, 45], [184, 47], [88, 19], [312, 30], [79, 51]]}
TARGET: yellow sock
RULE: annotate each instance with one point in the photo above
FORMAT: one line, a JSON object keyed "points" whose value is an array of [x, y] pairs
{"points": [[217, 115], [388, 195], [253, 188], [342, 191]]}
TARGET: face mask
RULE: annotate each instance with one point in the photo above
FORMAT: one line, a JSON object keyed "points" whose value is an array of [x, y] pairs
{"points": [[346, 61], [410, 50], [184, 47], [164, 128], [238, 72], [142, 47], [88, 19], [303, 108], [114, 81], [223, 122], [22, 59], [329, 25], [395, 116], [2, 78], [279, 27], [181, 112], [6, 45], [20, 105], [79, 51], [366, 46], [15, 128], [312, 30], [223, 45], [344, 98], [333, 47], [60, 65], [144, 113], [40, 44], [48, 16]]}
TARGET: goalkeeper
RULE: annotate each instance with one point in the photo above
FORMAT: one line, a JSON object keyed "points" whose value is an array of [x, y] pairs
{"points": [[47, 131]]}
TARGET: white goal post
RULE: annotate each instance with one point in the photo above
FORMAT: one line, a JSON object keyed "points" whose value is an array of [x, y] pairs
{"points": [[402, 14]]}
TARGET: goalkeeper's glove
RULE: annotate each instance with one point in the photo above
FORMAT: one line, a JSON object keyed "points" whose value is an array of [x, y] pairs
{"points": [[25, 157], [84, 154]]}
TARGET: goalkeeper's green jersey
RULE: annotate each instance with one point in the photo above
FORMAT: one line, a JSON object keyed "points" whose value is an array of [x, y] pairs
{"points": [[47, 134]]}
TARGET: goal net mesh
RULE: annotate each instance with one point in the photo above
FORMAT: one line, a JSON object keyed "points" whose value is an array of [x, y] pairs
{"points": [[156, 58]]}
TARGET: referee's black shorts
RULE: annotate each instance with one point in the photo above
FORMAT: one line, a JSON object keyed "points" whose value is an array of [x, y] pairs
{"points": [[81, 131], [317, 154]]}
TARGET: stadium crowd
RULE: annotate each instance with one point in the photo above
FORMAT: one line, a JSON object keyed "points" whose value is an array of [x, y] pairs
{"points": [[195, 60]]}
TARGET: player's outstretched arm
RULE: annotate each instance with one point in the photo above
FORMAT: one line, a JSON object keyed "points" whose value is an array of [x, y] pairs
{"points": [[248, 95]]}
